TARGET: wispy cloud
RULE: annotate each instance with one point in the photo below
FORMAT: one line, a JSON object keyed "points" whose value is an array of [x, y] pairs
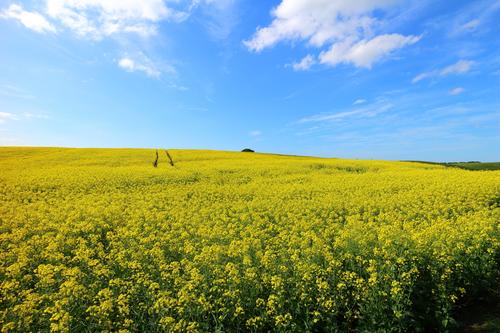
{"points": [[304, 64], [255, 133], [12, 91], [460, 67], [31, 20], [456, 91], [131, 65], [470, 25], [9, 116], [219, 16], [359, 101], [401, 122], [4, 116], [356, 113], [31, 115], [474, 18], [366, 52], [422, 76], [141, 63]]}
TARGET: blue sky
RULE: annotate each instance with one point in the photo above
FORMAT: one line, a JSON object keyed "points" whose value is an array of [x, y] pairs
{"points": [[374, 79]]}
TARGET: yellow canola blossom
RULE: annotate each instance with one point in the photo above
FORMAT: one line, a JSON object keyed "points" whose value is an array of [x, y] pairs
{"points": [[99, 240]]}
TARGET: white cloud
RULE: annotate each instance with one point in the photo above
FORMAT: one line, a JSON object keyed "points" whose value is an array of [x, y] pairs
{"points": [[4, 116], [96, 18], [345, 27], [100, 18], [456, 91], [317, 21], [143, 64], [304, 64], [31, 20], [460, 67], [359, 101], [366, 52]]}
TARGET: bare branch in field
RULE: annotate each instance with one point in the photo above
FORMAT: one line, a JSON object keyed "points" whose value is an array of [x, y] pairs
{"points": [[155, 163], [171, 161]]}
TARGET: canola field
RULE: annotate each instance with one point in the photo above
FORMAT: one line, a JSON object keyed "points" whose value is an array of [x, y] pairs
{"points": [[100, 240]]}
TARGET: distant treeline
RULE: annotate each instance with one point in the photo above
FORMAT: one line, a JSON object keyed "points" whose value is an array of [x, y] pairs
{"points": [[470, 165]]}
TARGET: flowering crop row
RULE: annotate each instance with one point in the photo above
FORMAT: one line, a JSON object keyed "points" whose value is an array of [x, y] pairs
{"points": [[99, 240]]}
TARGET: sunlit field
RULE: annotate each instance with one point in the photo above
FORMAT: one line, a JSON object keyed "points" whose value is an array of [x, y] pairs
{"points": [[100, 240]]}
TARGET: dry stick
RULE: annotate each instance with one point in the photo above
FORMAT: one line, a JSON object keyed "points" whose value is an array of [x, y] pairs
{"points": [[155, 163], [170, 158]]}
